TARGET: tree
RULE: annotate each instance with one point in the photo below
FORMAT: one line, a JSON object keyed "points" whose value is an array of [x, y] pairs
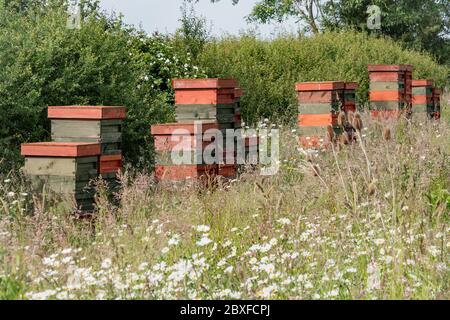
{"points": [[419, 24]]}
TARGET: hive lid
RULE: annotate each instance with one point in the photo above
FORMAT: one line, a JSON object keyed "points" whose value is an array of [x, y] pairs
{"points": [[389, 68], [60, 149], [422, 83], [320, 86], [208, 83], [86, 112], [351, 85], [191, 128]]}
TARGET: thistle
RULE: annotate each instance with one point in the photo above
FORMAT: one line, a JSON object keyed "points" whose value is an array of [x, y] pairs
{"points": [[357, 122], [387, 134], [342, 119]]}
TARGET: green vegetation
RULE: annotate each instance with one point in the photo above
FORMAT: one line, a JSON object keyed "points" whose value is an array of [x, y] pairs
{"points": [[268, 70], [42, 62], [327, 228]]}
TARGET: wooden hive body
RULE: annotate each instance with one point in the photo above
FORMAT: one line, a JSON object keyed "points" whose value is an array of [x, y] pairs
{"points": [[390, 90], [423, 98], [319, 106], [63, 168]]}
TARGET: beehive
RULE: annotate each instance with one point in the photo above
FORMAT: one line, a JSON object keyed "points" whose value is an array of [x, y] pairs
{"points": [[423, 98], [65, 168], [318, 108], [390, 90], [99, 124], [206, 99], [238, 93], [177, 142], [437, 103]]}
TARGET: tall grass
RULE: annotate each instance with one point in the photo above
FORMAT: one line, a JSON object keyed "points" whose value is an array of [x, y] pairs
{"points": [[335, 226]]}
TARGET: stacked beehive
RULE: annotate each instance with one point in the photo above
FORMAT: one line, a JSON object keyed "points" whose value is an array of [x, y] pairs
{"points": [[390, 90], [437, 103], [97, 124], [213, 103], [319, 106], [423, 98], [350, 106], [180, 148], [65, 168]]}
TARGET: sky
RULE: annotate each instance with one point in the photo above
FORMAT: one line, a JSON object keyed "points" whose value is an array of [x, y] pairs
{"points": [[163, 15]]}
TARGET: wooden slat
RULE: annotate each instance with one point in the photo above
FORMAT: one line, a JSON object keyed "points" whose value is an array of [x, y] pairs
{"points": [[60, 149], [209, 83], [320, 86], [76, 128], [86, 112]]}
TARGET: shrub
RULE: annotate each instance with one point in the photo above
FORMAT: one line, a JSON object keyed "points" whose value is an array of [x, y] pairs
{"points": [[42, 63]]}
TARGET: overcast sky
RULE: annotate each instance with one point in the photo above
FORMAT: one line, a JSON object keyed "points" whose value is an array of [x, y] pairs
{"points": [[163, 15]]}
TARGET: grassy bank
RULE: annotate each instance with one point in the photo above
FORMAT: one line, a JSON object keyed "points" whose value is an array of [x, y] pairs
{"points": [[368, 221]]}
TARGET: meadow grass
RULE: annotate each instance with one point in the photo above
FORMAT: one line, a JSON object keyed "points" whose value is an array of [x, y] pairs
{"points": [[364, 221]]}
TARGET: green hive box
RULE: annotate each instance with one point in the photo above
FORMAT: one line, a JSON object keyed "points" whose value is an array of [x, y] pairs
{"points": [[65, 169], [224, 114], [106, 132], [97, 124]]}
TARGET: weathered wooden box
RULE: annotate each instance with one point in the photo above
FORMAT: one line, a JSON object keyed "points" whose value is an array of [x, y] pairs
{"points": [[206, 99], [423, 98], [99, 124], [390, 90], [63, 168]]}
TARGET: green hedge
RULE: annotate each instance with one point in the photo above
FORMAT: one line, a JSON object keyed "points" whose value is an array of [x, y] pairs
{"points": [[42, 63], [268, 70]]}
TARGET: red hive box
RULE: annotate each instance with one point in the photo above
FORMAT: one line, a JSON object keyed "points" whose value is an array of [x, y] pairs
{"points": [[86, 112], [423, 97], [204, 91], [60, 149], [188, 138], [437, 103], [110, 163], [390, 90], [319, 106]]}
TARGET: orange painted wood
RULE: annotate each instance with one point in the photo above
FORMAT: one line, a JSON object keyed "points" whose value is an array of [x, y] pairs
{"points": [[110, 163], [320, 86], [386, 77], [317, 119], [208, 83], [204, 96], [318, 97], [188, 128], [86, 112], [227, 171], [311, 141], [351, 85], [422, 99], [422, 83], [386, 96], [388, 68], [184, 172], [60, 149], [385, 114]]}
